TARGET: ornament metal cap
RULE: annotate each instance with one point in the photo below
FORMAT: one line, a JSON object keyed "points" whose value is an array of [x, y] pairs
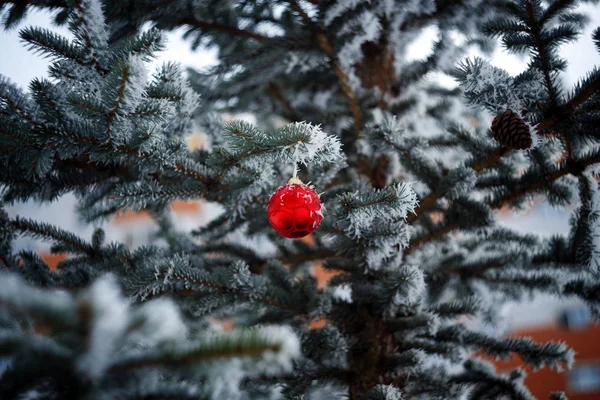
{"points": [[295, 180]]}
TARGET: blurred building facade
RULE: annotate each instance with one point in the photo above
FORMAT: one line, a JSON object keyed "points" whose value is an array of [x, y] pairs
{"points": [[138, 228], [574, 326]]}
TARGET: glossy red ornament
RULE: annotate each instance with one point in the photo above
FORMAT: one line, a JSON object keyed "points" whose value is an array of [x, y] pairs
{"points": [[295, 210]]}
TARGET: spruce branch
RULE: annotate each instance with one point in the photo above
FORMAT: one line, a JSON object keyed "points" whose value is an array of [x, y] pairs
{"points": [[41, 230], [383, 317], [520, 188], [358, 211], [118, 101], [229, 30], [93, 32], [15, 99], [13, 343], [586, 89], [343, 80], [248, 343], [555, 8], [558, 396], [205, 282], [431, 200], [51, 44], [481, 378], [48, 306], [562, 113], [550, 354]]}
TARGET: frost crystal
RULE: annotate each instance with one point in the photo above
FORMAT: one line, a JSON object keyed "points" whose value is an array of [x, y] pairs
{"points": [[93, 26], [465, 179], [387, 392], [490, 87], [338, 8], [225, 377], [410, 291], [361, 218], [594, 222], [386, 247], [321, 146], [343, 293], [137, 77]]}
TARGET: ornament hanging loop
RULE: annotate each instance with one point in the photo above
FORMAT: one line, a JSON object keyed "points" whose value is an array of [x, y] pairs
{"points": [[294, 178]]}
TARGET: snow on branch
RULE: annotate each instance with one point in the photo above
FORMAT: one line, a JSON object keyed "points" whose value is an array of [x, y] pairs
{"points": [[483, 381], [492, 88], [300, 141], [592, 240], [314, 145], [224, 358], [487, 86], [157, 321], [249, 160], [89, 27], [405, 288], [380, 244], [16, 100], [266, 350], [100, 333], [551, 354], [39, 230], [338, 9], [360, 210], [53, 307], [108, 313], [123, 88], [384, 392], [52, 44]]}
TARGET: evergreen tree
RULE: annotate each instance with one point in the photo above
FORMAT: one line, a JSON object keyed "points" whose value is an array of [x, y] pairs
{"points": [[412, 175]]}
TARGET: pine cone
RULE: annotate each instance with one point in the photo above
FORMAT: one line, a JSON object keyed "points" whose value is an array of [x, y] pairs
{"points": [[511, 131]]}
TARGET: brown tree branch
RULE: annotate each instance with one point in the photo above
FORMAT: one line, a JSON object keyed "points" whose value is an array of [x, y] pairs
{"points": [[275, 92], [230, 30], [17, 225], [343, 79], [567, 109], [539, 44]]}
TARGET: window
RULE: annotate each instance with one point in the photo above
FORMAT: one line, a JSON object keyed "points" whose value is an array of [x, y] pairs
{"points": [[4, 364], [584, 378], [575, 318]]}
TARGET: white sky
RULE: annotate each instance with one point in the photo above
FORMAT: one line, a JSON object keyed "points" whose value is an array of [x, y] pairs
{"points": [[22, 65]]}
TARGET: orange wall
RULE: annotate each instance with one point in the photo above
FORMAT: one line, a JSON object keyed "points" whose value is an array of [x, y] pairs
{"points": [[585, 342], [178, 207], [53, 259]]}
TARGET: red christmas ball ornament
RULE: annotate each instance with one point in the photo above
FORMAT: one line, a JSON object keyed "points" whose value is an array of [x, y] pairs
{"points": [[295, 210]]}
